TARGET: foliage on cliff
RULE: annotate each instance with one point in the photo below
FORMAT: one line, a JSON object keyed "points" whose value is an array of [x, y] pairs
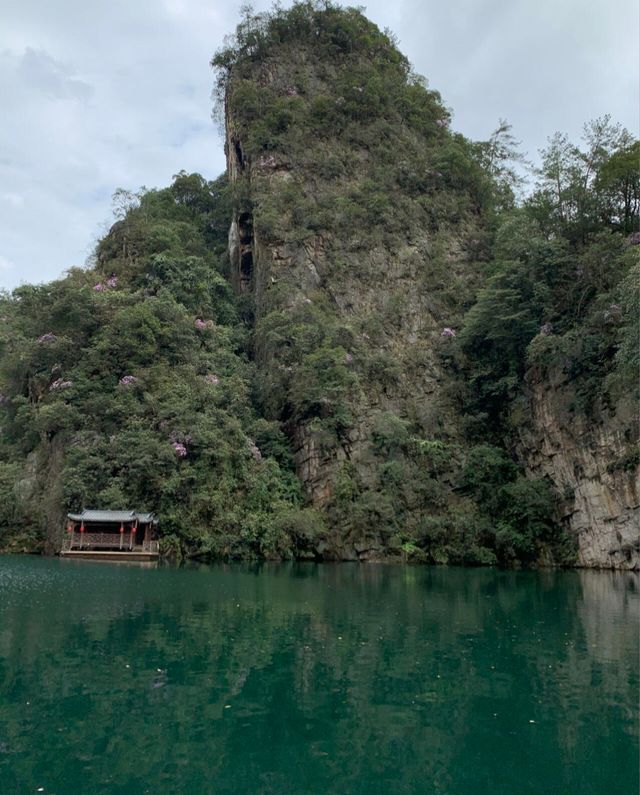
{"points": [[399, 299], [126, 386], [341, 154], [563, 285]]}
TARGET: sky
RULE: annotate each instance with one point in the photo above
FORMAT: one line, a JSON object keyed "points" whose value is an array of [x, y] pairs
{"points": [[102, 94]]}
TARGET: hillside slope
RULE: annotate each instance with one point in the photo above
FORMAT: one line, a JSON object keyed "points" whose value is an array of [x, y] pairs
{"points": [[363, 230], [360, 224], [356, 345], [127, 385]]}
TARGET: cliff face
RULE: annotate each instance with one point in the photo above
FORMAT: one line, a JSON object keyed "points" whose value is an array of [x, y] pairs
{"points": [[590, 463], [383, 312], [355, 395], [359, 236], [353, 272]]}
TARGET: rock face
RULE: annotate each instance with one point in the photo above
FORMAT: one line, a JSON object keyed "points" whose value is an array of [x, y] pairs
{"points": [[590, 464], [375, 287], [358, 239], [383, 311]]}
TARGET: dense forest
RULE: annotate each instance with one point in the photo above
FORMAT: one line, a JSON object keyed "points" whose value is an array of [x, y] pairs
{"points": [[357, 360]]}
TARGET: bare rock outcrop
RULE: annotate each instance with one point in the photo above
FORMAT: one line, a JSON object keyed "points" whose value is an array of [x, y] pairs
{"points": [[590, 462]]}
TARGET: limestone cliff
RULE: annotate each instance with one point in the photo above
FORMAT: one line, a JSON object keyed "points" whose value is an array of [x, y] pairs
{"points": [[356, 249], [591, 463], [360, 235], [409, 363]]}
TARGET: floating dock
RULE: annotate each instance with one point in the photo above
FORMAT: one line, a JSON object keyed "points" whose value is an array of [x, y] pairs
{"points": [[110, 554]]}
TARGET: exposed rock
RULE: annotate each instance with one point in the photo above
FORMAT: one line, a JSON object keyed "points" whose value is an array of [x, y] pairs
{"points": [[588, 461], [361, 254], [380, 283]]}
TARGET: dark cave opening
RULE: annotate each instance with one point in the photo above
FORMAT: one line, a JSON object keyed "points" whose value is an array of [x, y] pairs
{"points": [[246, 265], [239, 155]]}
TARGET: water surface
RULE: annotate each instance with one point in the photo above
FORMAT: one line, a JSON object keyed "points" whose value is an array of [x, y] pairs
{"points": [[316, 679]]}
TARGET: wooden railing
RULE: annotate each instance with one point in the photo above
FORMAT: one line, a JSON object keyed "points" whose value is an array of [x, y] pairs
{"points": [[98, 541], [118, 541]]}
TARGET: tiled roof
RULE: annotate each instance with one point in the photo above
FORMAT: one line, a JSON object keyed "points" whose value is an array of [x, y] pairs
{"points": [[112, 516]]}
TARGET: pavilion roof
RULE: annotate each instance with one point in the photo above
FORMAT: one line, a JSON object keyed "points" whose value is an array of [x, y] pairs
{"points": [[112, 516]]}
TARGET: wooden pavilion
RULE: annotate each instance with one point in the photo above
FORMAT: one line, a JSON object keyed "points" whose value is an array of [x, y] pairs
{"points": [[111, 535]]}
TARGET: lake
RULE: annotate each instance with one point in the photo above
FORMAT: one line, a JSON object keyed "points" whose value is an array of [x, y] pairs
{"points": [[305, 678]]}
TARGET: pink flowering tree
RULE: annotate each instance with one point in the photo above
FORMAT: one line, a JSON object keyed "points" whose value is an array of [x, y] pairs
{"points": [[180, 449], [60, 383], [128, 380], [255, 451]]}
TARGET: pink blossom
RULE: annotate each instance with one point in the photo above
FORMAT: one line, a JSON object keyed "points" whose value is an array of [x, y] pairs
{"points": [[447, 332], [181, 450], [203, 324], [128, 380], [210, 378], [48, 337], [99, 287], [112, 282], [60, 383], [442, 122], [255, 451]]}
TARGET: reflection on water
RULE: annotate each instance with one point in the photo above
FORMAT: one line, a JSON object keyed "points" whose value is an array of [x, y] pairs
{"points": [[309, 678]]}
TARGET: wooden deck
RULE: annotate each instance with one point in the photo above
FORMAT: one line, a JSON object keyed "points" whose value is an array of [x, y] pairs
{"points": [[108, 546], [134, 555]]}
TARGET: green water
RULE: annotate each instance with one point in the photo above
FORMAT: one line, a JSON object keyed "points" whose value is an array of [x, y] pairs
{"points": [[316, 679]]}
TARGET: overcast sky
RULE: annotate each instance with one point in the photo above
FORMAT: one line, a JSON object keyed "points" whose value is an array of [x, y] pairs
{"points": [[100, 94]]}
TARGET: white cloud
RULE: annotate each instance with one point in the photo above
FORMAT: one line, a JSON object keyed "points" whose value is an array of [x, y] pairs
{"points": [[53, 78], [14, 199], [5, 264]]}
